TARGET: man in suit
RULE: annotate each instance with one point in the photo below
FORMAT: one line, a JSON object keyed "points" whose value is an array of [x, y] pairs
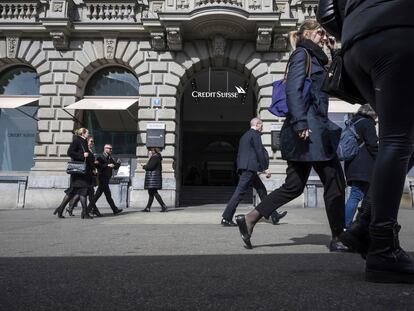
{"points": [[106, 165], [252, 158]]}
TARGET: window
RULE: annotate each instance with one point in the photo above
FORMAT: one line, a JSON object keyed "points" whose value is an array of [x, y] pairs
{"points": [[18, 128], [118, 128]]}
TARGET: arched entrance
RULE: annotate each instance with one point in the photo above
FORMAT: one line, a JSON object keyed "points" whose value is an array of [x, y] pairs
{"points": [[216, 107]]}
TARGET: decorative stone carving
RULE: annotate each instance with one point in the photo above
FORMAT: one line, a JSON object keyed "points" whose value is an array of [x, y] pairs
{"points": [[12, 46], [218, 45], [183, 4], [110, 47], [158, 41], [57, 6], [280, 43], [60, 40], [264, 39], [255, 4], [157, 6], [174, 38]]}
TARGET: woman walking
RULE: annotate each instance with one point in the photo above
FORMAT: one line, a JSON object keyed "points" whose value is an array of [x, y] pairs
{"points": [[79, 184], [153, 179], [358, 171], [308, 138]]}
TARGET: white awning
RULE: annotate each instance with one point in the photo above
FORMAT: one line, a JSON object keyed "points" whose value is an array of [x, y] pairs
{"points": [[103, 104], [10, 102], [336, 106]]}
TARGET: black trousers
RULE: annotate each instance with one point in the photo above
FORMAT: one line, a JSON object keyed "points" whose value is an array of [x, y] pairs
{"points": [[332, 178], [381, 65], [103, 187], [247, 178], [151, 194]]}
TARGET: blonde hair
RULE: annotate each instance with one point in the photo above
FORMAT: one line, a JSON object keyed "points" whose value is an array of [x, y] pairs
{"points": [[298, 35], [80, 131]]}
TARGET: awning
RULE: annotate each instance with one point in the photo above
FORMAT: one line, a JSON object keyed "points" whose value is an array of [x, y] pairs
{"points": [[103, 104], [11, 102], [342, 107]]}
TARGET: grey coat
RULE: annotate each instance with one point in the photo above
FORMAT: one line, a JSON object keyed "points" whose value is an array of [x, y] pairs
{"points": [[324, 139]]}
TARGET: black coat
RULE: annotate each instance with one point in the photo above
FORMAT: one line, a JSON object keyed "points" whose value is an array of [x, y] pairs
{"points": [[361, 167], [325, 134], [104, 171], [364, 17], [252, 155], [75, 152], [153, 175]]}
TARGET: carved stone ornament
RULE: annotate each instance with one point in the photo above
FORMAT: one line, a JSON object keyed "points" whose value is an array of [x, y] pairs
{"points": [[12, 46], [183, 4], [157, 6], [174, 38], [219, 45], [110, 47], [264, 39], [60, 40], [57, 6], [158, 41], [280, 43]]}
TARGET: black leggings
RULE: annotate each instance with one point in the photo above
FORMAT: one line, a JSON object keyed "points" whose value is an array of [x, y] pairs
{"points": [[382, 66], [154, 193]]}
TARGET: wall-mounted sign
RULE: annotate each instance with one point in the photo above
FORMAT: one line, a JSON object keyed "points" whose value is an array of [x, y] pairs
{"points": [[219, 94], [156, 102], [156, 135]]}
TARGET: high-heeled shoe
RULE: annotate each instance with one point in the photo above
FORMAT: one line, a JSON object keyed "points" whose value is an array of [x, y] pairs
{"points": [[69, 210], [59, 212], [244, 233], [146, 210]]}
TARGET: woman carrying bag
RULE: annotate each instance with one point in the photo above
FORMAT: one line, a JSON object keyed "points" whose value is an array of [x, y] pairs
{"points": [[308, 138], [153, 179], [79, 183]]}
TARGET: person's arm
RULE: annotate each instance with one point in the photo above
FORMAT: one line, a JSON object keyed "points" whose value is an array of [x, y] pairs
{"points": [[294, 88], [258, 149], [75, 151], [152, 163]]}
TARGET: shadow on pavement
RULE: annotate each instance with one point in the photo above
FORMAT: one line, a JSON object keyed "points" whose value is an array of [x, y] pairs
{"points": [[310, 239]]}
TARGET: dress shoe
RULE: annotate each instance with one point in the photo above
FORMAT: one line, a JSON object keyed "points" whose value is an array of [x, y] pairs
{"points": [[96, 213], [86, 216], [337, 246], [275, 217], [164, 209], [228, 223], [244, 233], [117, 211], [146, 210]]}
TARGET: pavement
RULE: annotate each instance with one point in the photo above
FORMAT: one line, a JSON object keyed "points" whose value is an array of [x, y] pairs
{"points": [[184, 260]]}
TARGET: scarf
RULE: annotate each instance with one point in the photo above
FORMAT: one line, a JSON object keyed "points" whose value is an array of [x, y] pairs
{"points": [[315, 50]]}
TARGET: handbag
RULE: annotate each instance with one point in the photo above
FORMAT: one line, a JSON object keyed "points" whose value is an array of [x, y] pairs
{"points": [[76, 167], [279, 105], [338, 84]]}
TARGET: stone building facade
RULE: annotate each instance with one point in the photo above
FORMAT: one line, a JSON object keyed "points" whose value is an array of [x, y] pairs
{"points": [[164, 44]]}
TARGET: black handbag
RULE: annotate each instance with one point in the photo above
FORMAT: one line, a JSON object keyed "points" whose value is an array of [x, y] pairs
{"points": [[76, 167], [338, 84]]}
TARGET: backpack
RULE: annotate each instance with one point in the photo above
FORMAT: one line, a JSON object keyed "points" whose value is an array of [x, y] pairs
{"points": [[279, 105], [348, 146]]}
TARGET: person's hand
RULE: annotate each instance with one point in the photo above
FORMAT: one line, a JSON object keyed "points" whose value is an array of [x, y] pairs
{"points": [[86, 154], [331, 43], [96, 162], [304, 134], [111, 165]]}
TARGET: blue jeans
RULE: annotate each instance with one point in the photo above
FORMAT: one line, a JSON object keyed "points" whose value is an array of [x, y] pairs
{"points": [[358, 191]]}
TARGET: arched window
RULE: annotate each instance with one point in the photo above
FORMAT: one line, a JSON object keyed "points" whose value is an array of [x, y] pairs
{"points": [[116, 127], [18, 126]]}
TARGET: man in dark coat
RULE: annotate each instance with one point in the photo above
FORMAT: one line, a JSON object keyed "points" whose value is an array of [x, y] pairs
{"points": [[106, 165], [252, 157], [358, 171]]}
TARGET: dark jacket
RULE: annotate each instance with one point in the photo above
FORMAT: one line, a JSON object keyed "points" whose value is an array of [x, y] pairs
{"points": [[361, 167], [252, 155], [75, 152], [324, 139], [364, 17], [104, 171], [153, 175]]}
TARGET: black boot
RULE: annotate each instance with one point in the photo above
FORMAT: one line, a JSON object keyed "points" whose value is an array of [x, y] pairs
{"points": [[59, 211], [356, 237], [386, 261]]}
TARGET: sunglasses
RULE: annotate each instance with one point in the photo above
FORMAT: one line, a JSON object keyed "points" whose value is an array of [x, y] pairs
{"points": [[321, 32]]}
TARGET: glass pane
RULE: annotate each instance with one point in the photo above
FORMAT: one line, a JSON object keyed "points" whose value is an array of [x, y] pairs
{"points": [[113, 81], [17, 139], [19, 80]]}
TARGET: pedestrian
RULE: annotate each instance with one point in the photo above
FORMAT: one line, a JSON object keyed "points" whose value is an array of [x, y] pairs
{"points": [[377, 42], [358, 171], [106, 166], [252, 157], [153, 178], [91, 191], [80, 183], [308, 138]]}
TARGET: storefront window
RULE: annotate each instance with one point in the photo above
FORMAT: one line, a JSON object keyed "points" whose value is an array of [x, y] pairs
{"points": [[18, 127], [113, 127]]}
